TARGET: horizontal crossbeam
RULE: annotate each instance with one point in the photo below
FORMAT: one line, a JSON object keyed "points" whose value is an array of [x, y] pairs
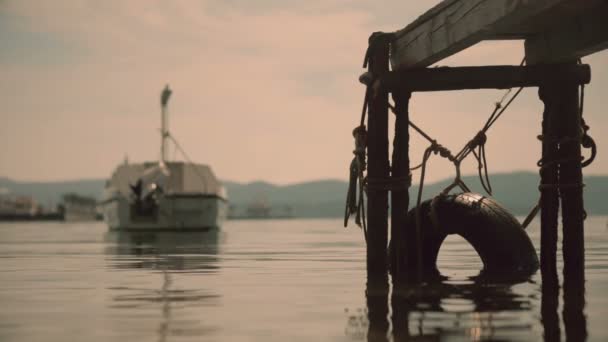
{"points": [[454, 25], [484, 77]]}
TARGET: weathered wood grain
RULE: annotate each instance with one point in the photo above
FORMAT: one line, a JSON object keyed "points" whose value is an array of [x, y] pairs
{"points": [[577, 37], [454, 25]]}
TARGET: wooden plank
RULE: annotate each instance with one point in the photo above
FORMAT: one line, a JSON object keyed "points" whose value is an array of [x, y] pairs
{"points": [[582, 35], [485, 77], [454, 25]]}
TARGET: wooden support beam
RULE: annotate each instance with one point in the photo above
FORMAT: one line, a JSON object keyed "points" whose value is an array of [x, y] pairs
{"points": [[573, 212], [454, 25], [549, 194], [561, 176], [571, 181], [580, 36], [378, 164], [400, 198], [485, 77]]}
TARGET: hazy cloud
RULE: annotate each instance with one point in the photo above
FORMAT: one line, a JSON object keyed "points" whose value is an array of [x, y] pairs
{"points": [[263, 89]]}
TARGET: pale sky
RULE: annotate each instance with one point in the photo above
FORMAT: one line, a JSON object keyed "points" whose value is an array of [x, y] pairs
{"points": [[263, 90]]}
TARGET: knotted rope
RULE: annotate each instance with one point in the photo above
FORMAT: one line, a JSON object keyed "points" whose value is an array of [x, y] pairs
{"points": [[586, 142], [357, 170]]}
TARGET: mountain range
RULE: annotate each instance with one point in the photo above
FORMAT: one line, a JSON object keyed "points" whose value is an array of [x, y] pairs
{"points": [[518, 191]]}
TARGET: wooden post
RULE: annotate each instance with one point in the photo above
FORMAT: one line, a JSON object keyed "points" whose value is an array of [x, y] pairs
{"points": [[378, 164], [571, 183], [549, 201], [562, 156], [571, 190], [549, 198], [400, 170]]}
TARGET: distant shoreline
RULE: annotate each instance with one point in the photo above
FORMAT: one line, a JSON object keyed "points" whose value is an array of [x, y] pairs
{"points": [[518, 191]]}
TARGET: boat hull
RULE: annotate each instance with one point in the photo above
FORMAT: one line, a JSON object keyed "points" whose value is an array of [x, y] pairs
{"points": [[195, 212]]}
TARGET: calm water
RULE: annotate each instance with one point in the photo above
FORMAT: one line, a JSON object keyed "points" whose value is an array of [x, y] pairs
{"points": [[295, 280]]}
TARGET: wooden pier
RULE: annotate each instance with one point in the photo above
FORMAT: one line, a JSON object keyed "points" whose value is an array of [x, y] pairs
{"points": [[557, 34]]}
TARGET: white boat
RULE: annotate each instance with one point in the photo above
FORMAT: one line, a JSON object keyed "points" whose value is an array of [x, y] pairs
{"points": [[164, 195]]}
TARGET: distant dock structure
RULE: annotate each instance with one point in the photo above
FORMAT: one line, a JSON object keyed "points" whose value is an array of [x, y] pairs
{"points": [[78, 207], [259, 208], [25, 208], [557, 34]]}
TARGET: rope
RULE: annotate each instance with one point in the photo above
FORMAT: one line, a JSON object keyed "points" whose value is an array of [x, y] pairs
{"points": [[189, 160], [357, 175], [476, 146]]}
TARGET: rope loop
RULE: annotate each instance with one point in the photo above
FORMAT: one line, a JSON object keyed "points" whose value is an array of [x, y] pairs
{"points": [[587, 142], [360, 135]]}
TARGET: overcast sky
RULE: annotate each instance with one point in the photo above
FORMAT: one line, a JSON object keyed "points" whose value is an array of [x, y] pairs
{"points": [[263, 90]]}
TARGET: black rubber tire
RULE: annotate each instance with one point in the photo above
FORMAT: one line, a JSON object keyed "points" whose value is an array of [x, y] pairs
{"points": [[495, 234]]}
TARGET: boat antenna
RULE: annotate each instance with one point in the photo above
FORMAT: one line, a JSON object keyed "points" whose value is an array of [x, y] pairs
{"points": [[164, 130]]}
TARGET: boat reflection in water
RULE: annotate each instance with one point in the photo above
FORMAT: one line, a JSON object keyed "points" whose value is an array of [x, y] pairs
{"points": [[173, 255], [166, 250], [475, 308]]}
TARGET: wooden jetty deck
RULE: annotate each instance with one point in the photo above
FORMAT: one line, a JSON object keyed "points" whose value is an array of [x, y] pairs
{"points": [[557, 33], [554, 30]]}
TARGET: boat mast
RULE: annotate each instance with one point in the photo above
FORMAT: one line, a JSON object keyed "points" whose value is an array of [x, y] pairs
{"points": [[164, 129]]}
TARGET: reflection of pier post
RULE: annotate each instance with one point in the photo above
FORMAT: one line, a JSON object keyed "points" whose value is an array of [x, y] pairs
{"points": [[376, 295], [400, 307], [548, 311]]}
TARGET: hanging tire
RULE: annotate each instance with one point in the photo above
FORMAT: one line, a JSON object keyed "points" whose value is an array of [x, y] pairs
{"points": [[495, 234]]}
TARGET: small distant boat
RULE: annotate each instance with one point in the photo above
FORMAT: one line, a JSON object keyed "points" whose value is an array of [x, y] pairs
{"points": [[164, 195]]}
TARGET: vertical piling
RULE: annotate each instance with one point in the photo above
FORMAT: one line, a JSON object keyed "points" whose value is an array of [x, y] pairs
{"points": [[561, 175], [378, 164], [549, 198], [571, 182], [573, 214], [400, 171]]}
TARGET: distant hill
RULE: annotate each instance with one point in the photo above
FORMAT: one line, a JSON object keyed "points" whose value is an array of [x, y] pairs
{"points": [[518, 191]]}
